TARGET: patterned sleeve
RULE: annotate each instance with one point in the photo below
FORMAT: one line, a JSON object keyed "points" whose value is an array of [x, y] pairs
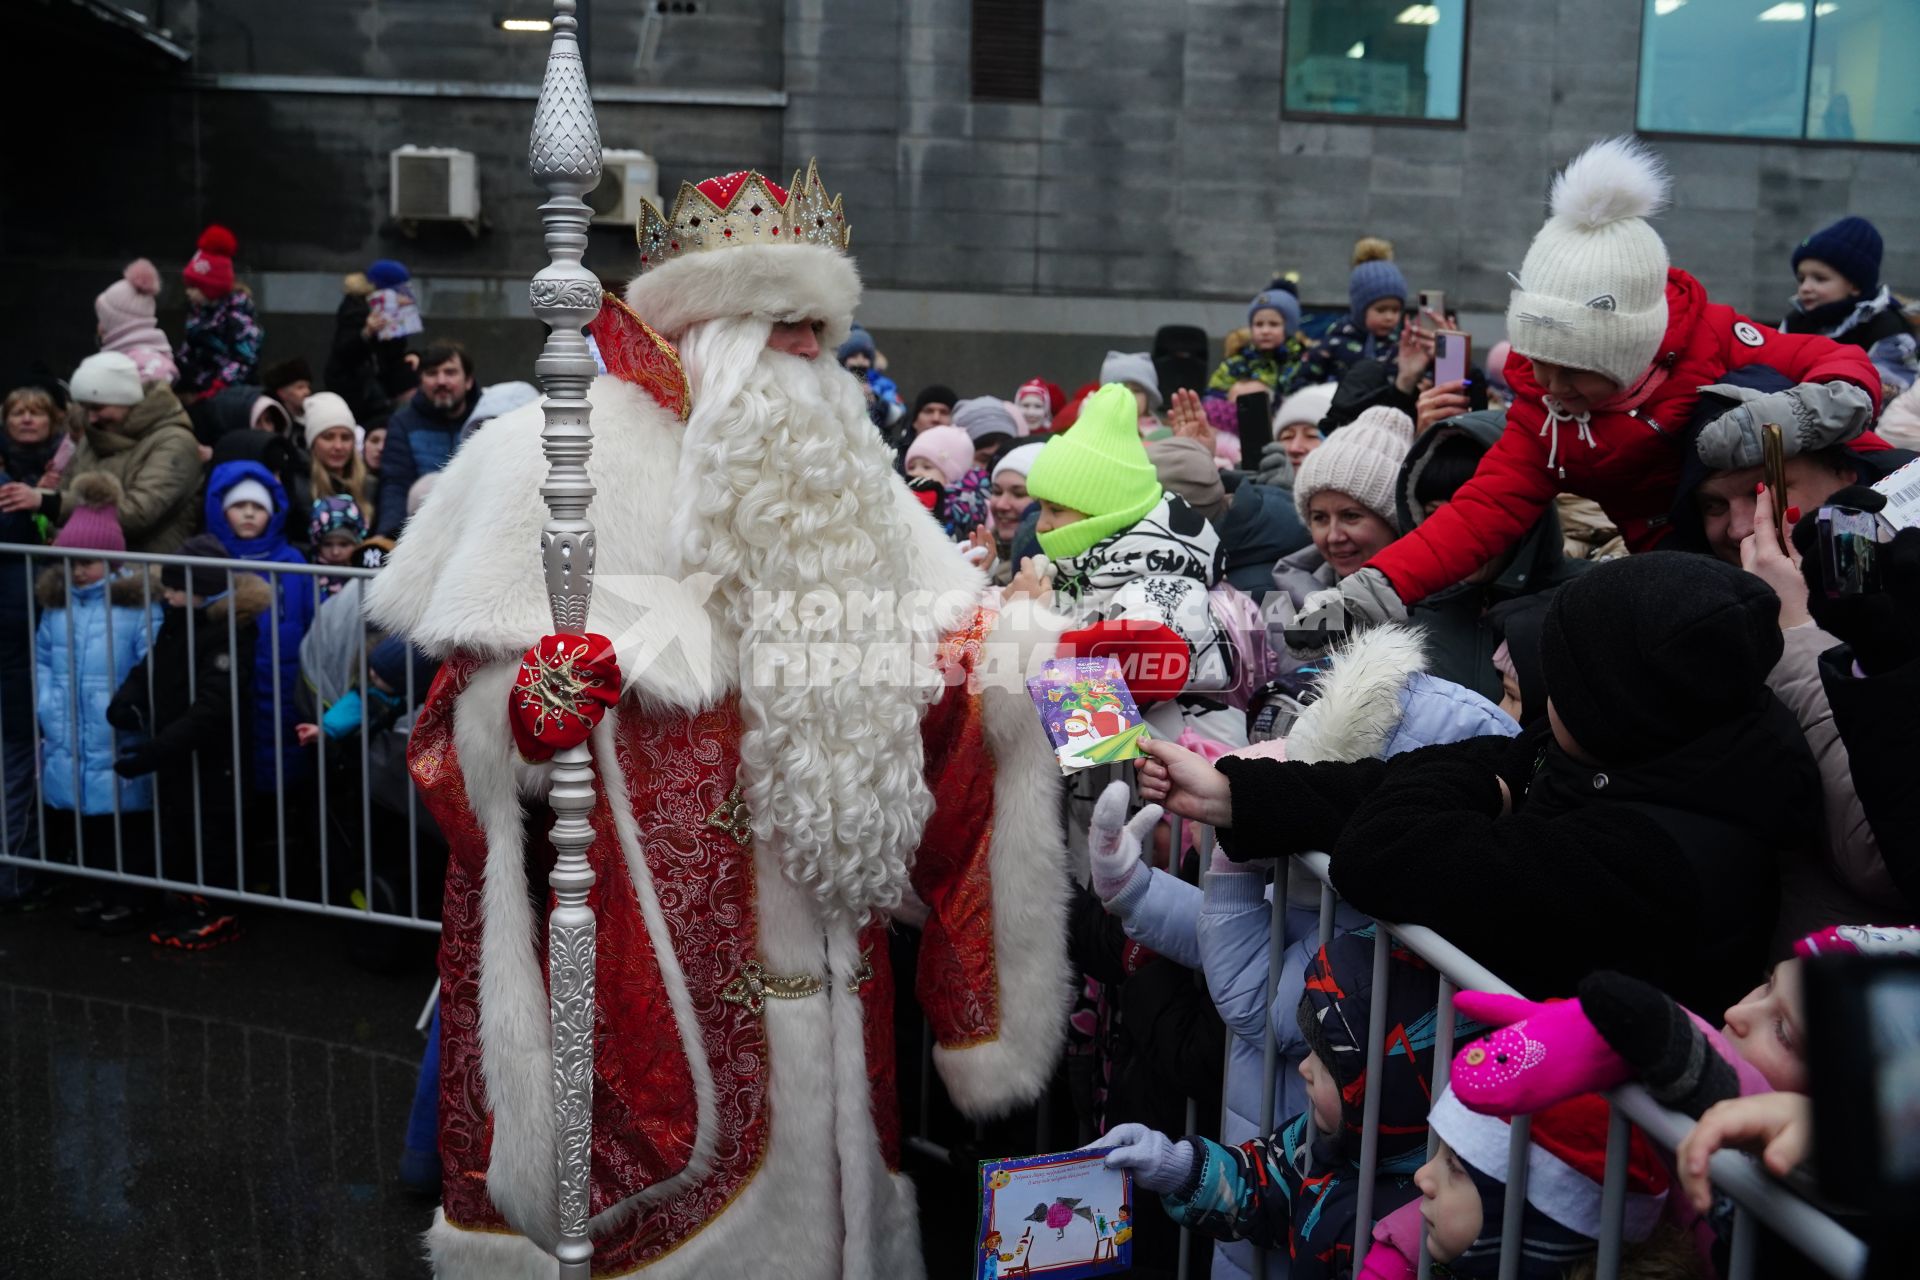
{"points": [[1243, 1192]]}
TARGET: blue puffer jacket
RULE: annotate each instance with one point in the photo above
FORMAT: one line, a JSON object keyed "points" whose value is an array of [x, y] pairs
{"points": [[76, 672], [292, 614]]}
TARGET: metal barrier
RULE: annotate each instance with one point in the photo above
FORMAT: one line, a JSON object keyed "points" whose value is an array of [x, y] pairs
{"points": [[334, 829]]}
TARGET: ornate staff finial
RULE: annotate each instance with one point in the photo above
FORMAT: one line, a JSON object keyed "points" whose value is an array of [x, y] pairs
{"points": [[564, 157]]}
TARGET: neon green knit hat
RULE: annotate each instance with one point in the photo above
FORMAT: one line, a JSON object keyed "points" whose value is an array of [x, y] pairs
{"points": [[1100, 467]]}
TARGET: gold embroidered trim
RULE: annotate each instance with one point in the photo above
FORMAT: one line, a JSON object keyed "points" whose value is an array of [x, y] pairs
{"points": [[732, 817], [755, 986]]}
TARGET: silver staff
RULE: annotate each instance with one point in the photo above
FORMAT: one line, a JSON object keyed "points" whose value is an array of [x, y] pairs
{"points": [[564, 155]]}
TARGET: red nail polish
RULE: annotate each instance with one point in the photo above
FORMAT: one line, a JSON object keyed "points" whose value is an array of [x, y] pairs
{"points": [[1793, 515], [1760, 488]]}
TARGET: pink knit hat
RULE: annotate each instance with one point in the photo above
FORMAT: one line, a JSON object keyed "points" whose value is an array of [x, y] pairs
{"points": [[948, 448], [95, 523], [127, 303]]}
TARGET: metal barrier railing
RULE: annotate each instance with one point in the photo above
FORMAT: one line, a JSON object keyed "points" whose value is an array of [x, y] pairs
{"points": [[268, 808]]}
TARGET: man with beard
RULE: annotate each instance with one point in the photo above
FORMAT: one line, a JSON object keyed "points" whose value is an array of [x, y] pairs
{"points": [[422, 433], [803, 726]]}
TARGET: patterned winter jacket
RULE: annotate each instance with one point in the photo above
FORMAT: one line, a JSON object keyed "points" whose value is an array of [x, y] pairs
{"points": [[1278, 369], [1343, 346], [222, 346]]}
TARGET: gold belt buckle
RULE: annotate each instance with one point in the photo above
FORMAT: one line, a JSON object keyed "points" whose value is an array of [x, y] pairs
{"points": [[755, 986]]}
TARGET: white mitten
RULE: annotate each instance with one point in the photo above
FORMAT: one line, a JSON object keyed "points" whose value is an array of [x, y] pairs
{"points": [[1158, 1162], [1810, 416], [1114, 843]]}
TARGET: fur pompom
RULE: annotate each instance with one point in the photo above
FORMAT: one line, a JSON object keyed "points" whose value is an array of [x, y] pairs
{"points": [[1610, 181], [143, 276], [96, 489], [217, 239], [1372, 249]]}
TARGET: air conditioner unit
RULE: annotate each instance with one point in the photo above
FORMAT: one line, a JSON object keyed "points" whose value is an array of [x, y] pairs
{"points": [[433, 184], [626, 178]]}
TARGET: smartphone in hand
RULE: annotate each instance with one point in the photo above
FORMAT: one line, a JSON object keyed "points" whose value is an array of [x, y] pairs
{"points": [[1451, 355], [1255, 413]]}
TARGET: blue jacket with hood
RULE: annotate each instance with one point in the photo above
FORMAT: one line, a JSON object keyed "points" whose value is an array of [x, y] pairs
{"points": [[276, 661]]}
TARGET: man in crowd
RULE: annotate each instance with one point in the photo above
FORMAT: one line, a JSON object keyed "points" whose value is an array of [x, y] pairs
{"points": [[422, 433]]}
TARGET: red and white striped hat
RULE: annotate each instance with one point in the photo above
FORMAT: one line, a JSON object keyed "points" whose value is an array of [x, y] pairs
{"points": [[1566, 1161]]}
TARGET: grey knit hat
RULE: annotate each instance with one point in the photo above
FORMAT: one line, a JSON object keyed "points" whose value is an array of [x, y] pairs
{"points": [[1361, 460]]}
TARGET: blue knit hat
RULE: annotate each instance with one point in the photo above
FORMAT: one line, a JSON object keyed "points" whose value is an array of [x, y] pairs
{"points": [[1851, 246], [860, 341], [1372, 281], [386, 273], [1277, 300]]}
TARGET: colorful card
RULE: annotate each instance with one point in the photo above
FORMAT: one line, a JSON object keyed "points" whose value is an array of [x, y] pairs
{"points": [[1088, 711], [1060, 1215], [394, 313]]}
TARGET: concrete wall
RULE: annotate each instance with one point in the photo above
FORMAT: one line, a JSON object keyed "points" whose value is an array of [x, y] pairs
{"points": [[1156, 176]]}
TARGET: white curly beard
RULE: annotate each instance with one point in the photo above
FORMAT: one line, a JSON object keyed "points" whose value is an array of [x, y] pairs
{"points": [[786, 487]]}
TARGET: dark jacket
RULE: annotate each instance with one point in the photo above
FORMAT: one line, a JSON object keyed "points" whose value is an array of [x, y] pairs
{"points": [[1875, 718], [16, 637], [290, 613], [1460, 634], [420, 441], [366, 372], [190, 715], [1665, 870], [1261, 525]]}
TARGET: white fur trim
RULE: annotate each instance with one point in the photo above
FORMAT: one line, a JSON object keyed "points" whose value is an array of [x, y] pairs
{"points": [[459, 1253], [516, 1042], [1359, 704], [1611, 180], [1026, 857], [780, 282], [1554, 1187]]}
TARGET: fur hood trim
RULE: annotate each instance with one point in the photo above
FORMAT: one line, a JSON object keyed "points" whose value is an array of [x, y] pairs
{"points": [[466, 574], [250, 598], [780, 282], [124, 589], [1359, 704]]}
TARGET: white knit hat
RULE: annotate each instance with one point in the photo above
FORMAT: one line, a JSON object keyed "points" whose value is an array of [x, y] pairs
{"points": [[1593, 290], [324, 411], [1019, 460], [247, 491], [107, 377], [1135, 367], [1308, 404], [1361, 460]]}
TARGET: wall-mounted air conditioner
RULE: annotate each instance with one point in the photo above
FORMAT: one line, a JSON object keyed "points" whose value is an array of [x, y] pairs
{"points": [[433, 184], [626, 178]]}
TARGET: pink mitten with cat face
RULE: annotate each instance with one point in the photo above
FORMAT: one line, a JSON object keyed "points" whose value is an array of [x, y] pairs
{"points": [[1543, 1054]]}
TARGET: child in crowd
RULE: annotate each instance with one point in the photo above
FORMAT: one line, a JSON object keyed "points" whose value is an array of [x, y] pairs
{"points": [[336, 531], [1377, 298], [1036, 400], [1840, 296], [333, 440], [124, 312], [95, 625], [246, 510], [1612, 348], [386, 696], [1275, 348], [1134, 564], [1463, 1201], [222, 343], [945, 455], [1296, 1189], [1134, 370], [371, 447], [200, 673]]}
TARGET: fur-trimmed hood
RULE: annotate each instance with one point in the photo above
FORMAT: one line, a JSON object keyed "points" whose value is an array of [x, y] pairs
{"points": [[250, 597], [123, 589], [1376, 700], [466, 574], [781, 282]]}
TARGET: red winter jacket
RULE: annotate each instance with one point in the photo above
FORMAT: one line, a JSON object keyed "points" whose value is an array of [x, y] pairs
{"points": [[1631, 468]]}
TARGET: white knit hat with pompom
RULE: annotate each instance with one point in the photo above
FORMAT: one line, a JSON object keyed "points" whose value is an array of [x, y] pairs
{"points": [[1593, 289]]}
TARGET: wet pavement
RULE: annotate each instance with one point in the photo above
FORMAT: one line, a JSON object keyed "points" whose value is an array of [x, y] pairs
{"points": [[234, 1113]]}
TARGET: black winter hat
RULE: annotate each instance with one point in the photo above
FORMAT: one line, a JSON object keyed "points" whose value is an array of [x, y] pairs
{"points": [[205, 581], [1649, 652], [935, 394], [276, 376]]}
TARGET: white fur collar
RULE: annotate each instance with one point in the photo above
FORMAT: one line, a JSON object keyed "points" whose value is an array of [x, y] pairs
{"points": [[467, 576], [1359, 703]]}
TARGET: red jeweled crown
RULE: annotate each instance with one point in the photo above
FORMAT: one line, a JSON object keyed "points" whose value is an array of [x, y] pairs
{"points": [[740, 208]]}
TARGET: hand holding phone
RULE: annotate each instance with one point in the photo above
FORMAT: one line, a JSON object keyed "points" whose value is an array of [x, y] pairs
{"points": [[1451, 351]]}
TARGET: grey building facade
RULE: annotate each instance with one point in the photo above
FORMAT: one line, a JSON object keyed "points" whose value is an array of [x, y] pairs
{"points": [[1157, 179]]}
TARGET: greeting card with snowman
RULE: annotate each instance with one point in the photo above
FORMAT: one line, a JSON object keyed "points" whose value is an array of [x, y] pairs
{"points": [[1056, 1215], [1088, 711]]}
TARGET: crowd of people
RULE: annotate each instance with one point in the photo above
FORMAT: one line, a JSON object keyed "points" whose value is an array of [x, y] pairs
{"points": [[139, 673], [1537, 654]]}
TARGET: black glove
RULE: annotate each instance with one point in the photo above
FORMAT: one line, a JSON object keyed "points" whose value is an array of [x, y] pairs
{"points": [[138, 762], [126, 714], [1883, 627]]}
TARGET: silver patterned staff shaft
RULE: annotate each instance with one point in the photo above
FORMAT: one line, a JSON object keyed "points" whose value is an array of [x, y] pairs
{"points": [[565, 160]]}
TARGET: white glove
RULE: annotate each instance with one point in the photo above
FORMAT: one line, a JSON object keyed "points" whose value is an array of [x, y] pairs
{"points": [[1115, 843], [1810, 416], [1158, 1162]]}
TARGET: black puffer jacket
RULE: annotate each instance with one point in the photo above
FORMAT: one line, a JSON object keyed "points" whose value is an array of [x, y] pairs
{"points": [[1664, 870]]}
